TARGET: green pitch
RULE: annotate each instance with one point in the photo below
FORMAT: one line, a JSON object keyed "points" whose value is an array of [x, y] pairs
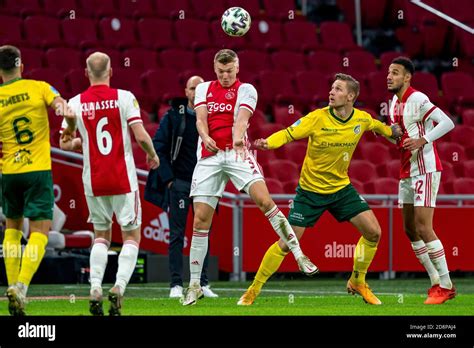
{"points": [[289, 297]]}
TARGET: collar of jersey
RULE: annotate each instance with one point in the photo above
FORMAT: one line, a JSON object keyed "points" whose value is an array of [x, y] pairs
{"points": [[339, 119], [10, 82], [232, 85]]}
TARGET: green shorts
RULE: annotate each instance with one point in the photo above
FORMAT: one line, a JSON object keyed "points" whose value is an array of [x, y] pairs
{"points": [[309, 206], [28, 195]]}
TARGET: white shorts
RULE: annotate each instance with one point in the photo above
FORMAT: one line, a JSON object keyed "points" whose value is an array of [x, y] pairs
{"points": [[211, 174], [127, 209], [420, 190]]}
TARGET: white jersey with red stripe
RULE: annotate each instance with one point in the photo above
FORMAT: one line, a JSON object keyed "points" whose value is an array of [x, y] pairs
{"points": [[223, 104], [104, 116], [412, 113]]}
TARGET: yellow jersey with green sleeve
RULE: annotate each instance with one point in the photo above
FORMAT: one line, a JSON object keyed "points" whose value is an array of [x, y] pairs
{"points": [[24, 126], [331, 143]]}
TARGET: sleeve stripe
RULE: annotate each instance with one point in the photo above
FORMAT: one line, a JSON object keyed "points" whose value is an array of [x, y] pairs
{"points": [[247, 107], [289, 134], [428, 113], [198, 105], [133, 119]]}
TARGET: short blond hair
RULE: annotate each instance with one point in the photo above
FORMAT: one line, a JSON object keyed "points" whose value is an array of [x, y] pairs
{"points": [[98, 65], [352, 84], [226, 56]]}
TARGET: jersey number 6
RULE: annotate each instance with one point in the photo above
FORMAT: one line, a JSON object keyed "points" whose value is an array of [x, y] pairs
{"points": [[104, 139]]}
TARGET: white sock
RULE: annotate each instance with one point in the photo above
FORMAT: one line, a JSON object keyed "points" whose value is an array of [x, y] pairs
{"points": [[282, 227], [436, 252], [126, 264], [98, 262], [421, 252], [199, 245]]}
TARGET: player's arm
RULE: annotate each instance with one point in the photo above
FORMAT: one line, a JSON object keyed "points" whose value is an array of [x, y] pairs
{"points": [[299, 130], [240, 126], [444, 125], [70, 144], [61, 108], [143, 139], [200, 106], [392, 132]]}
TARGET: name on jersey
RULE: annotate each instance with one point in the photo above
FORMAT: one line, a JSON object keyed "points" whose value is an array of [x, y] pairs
{"points": [[100, 105], [332, 130], [14, 99], [219, 107]]}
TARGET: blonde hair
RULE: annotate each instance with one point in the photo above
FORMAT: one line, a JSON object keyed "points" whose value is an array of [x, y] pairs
{"points": [[352, 84], [226, 56]]}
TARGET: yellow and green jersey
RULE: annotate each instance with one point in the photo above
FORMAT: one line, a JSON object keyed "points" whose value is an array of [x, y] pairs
{"points": [[331, 143], [24, 126]]}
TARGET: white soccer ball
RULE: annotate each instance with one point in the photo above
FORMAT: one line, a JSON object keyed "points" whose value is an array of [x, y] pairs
{"points": [[236, 21]]}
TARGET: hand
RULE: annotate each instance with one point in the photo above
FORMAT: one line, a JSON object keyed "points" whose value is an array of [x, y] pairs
{"points": [[397, 131], [413, 144], [153, 162], [261, 144], [67, 135], [210, 144], [240, 148]]}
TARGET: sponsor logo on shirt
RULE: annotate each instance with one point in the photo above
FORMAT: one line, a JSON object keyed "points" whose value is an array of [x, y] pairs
{"points": [[219, 107], [230, 95], [357, 129], [54, 90], [332, 130]]}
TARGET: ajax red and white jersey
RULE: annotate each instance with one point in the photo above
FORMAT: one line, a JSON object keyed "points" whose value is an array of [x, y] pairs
{"points": [[223, 104], [413, 115], [104, 116]]}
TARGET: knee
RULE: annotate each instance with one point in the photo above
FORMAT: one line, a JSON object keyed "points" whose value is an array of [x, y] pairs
{"points": [[201, 221], [265, 204], [374, 233]]}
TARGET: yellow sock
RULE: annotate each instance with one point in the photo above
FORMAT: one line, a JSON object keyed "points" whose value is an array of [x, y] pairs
{"points": [[363, 256], [12, 254], [269, 265], [32, 257]]}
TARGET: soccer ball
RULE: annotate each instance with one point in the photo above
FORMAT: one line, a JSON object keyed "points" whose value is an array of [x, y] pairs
{"points": [[236, 21]]}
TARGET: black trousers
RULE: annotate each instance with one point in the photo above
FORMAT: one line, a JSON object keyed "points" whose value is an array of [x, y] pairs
{"points": [[178, 213]]}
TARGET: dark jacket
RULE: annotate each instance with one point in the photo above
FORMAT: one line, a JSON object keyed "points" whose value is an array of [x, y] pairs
{"points": [[175, 142]]}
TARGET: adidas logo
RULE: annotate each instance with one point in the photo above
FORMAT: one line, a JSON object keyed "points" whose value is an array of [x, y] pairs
{"points": [[209, 95], [290, 237], [195, 262], [418, 198]]}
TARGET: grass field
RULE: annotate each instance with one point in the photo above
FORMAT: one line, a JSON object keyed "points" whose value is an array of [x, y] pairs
{"points": [[290, 297]]}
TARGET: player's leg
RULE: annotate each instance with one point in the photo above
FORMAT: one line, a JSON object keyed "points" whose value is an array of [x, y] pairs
{"points": [[270, 264], [418, 245], [409, 191], [100, 215]]}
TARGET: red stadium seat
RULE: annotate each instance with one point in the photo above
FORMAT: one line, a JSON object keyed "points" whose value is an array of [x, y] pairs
{"points": [[457, 85], [288, 61], [254, 61], [376, 153], [358, 185], [274, 186], [174, 9], [372, 12], [266, 35], [156, 33], [9, 36], [468, 169], [386, 59], [362, 170], [312, 86], [92, 8], [53, 76], [136, 9], [205, 58], [426, 83], [448, 175], [21, 7], [463, 11], [264, 131], [451, 152], [433, 48], [41, 31], [295, 151], [117, 33], [221, 39], [140, 58], [258, 118], [389, 169], [192, 34], [32, 58], [325, 62], [251, 6], [411, 39], [77, 81], [80, 32], [359, 64], [264, 157], [468, 117], [466, 42], [64, 59], [208, 9], [280, 10], [290, 186], [276, 87], [286, 115], [300, 36], [61, 9], [162, 84], [177, 59], [463, 186], [382, 186], [341, 31], [284, 170], [128, 79], [463, 135]]}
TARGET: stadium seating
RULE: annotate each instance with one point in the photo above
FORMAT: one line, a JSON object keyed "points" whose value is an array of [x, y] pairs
{"points": [[64, 59], [280, 10], [274, 186], [140, 58], [192, 33], [177, 59], [386, 59], [251, 6], [376, 153], [155, 33], [286, 115], [296, 151], [282, 170], [312, 86], [362, 170], [427, 83], [382, 186], [136, 9], [341, 31], [254, 61], [325, 62], [372, 12], [265, 34], [208, 10], [80, 32], [288, 61], [174, 9], [359, 64], [42, 31], [290, 186], [32, 58], [21, 8], [8, 36], [117, 33], [301, 36], [91, 8]]}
